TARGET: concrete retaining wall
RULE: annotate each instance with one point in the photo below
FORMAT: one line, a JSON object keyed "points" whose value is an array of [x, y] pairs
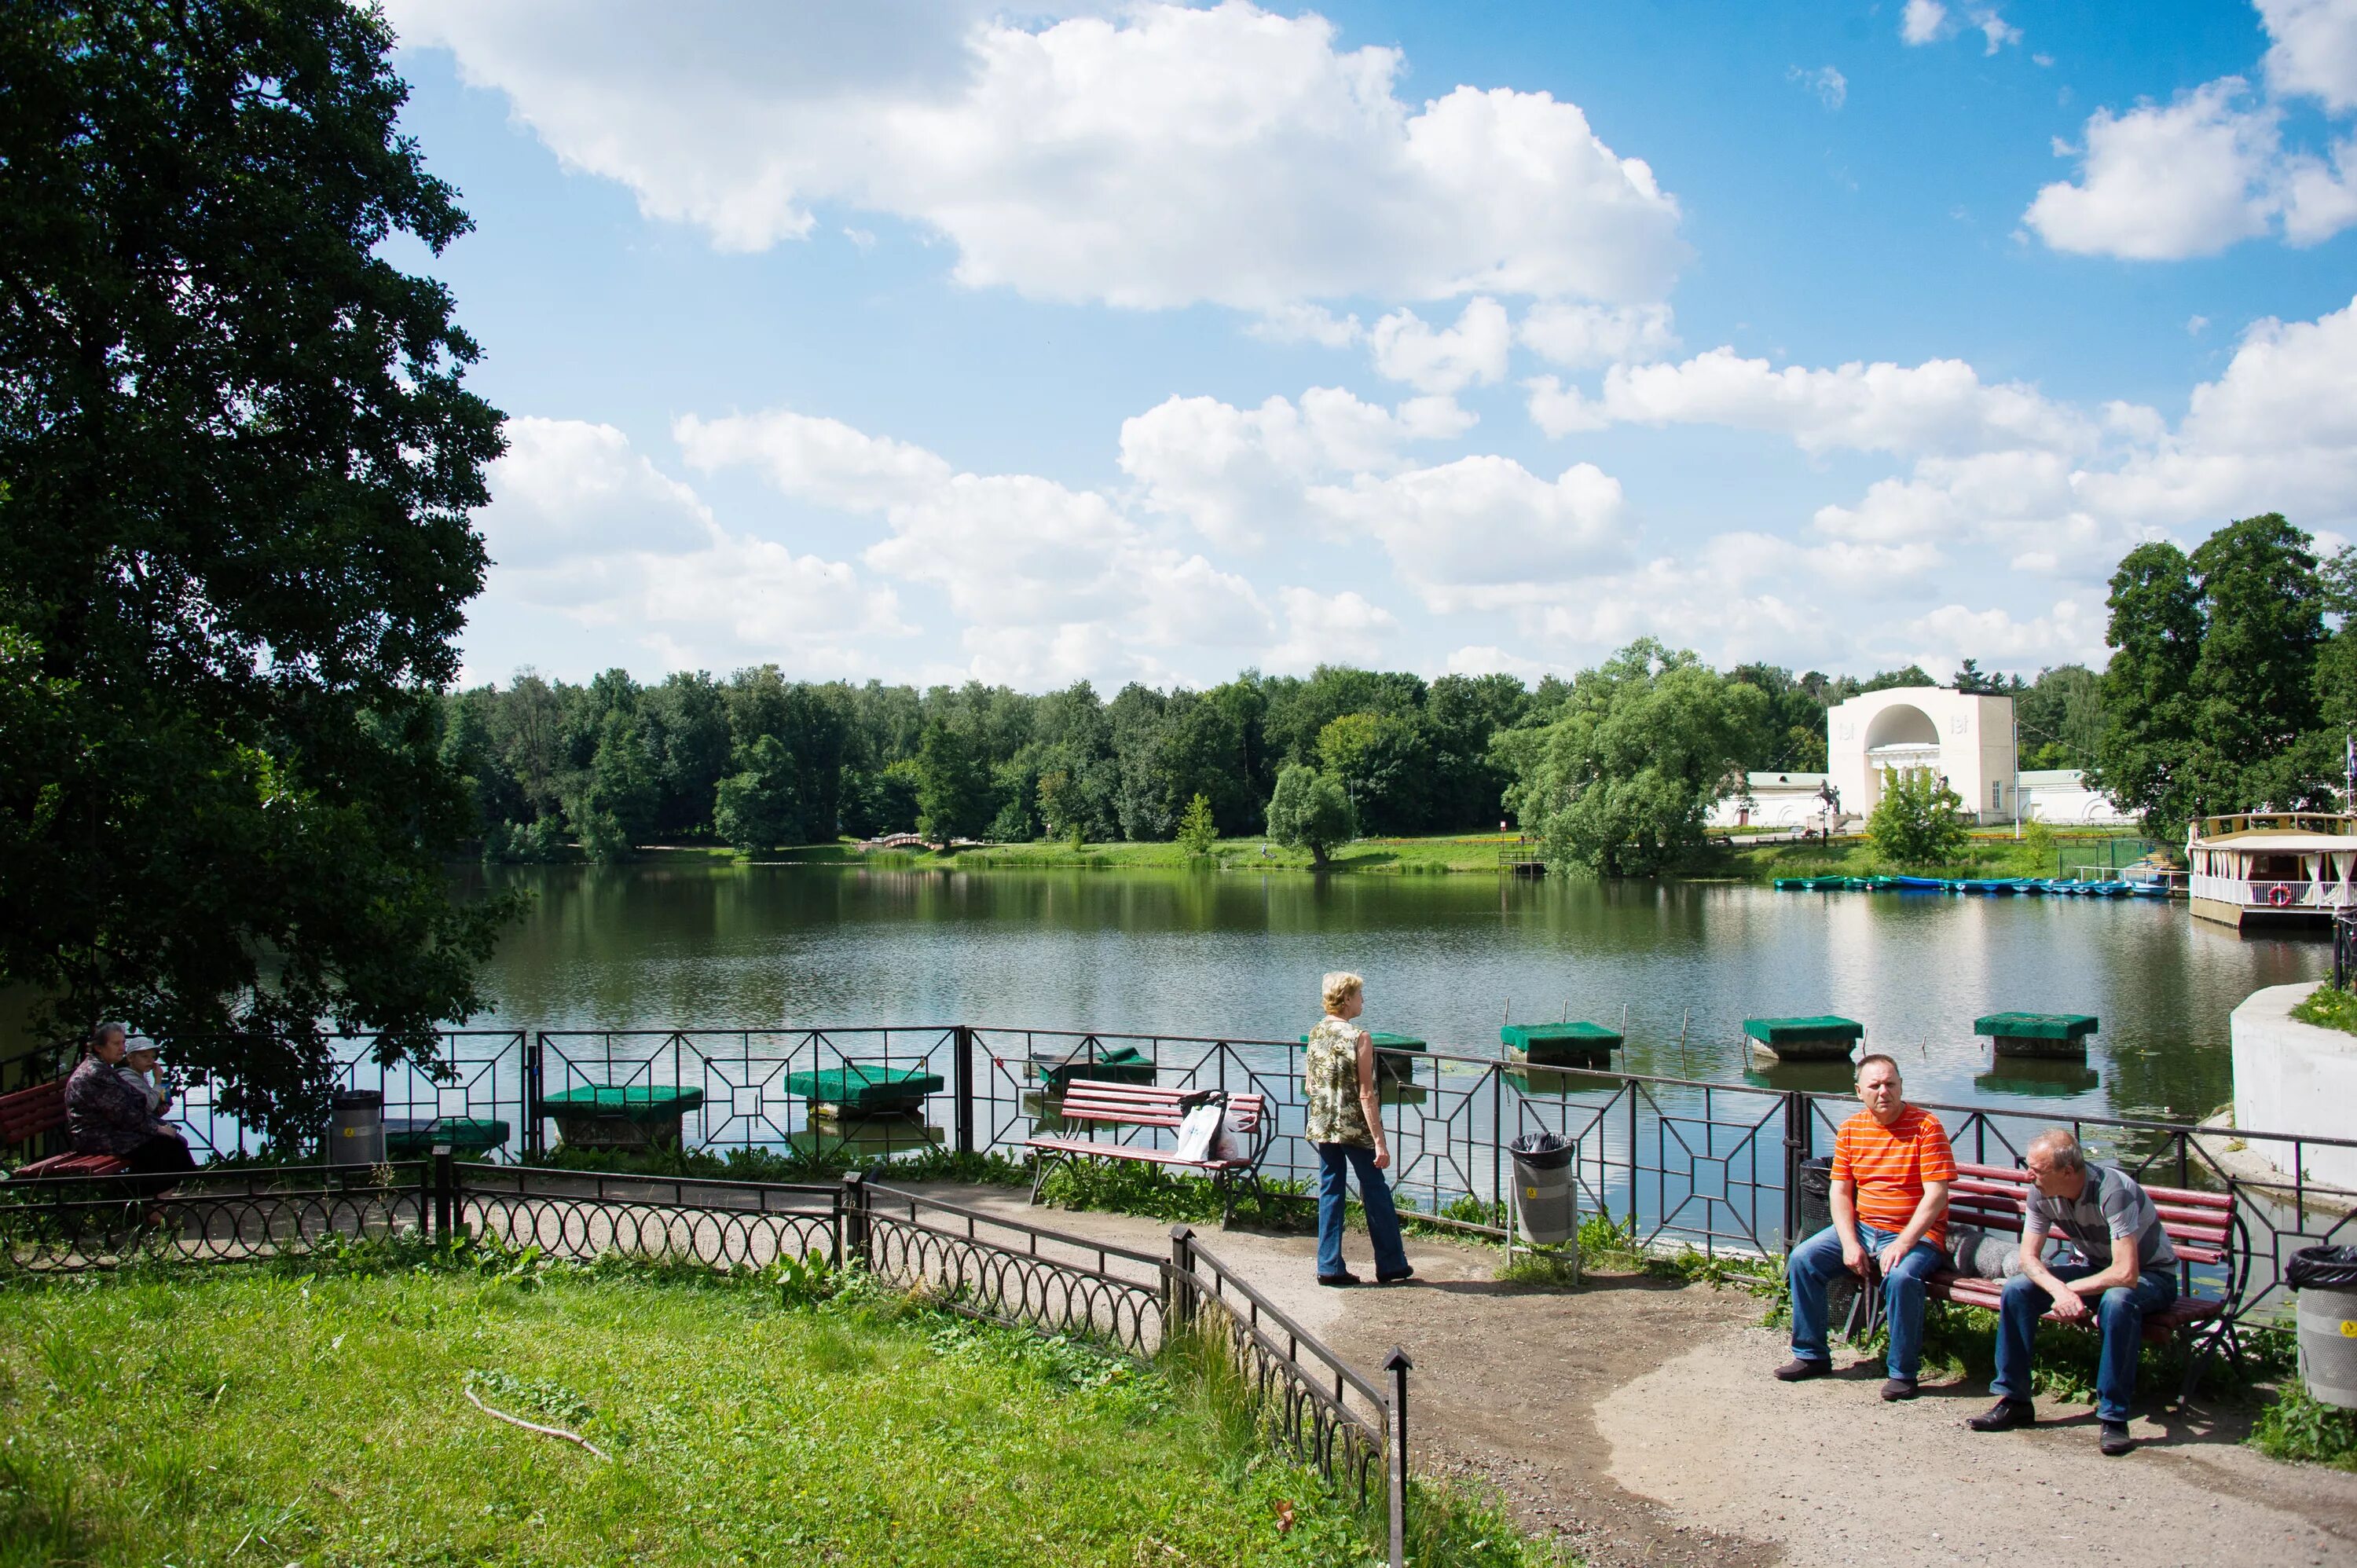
{"points": [[2291, 1076]]}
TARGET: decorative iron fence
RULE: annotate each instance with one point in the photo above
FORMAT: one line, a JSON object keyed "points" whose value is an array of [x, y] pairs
{"points": [[68, 1225], [1675, 1160], [581, 1215]]}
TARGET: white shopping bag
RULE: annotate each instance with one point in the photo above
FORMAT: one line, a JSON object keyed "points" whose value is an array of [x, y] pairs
{"points": [[1199, 1131]]}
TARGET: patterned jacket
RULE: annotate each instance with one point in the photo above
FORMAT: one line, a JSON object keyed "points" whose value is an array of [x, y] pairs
{"points": [[104, 1115], [1329, 1083]]}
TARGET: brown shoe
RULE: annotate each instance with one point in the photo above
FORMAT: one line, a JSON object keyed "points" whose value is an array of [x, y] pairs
{"points": [[1900, 1389], [1800, 1369]]}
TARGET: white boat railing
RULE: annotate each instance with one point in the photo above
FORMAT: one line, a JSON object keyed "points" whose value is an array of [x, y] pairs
{"points": [[2301, 895]]}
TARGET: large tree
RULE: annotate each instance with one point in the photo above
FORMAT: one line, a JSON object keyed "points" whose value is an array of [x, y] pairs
{"points": [[1621, 782], [2144, 760], [2253, 688], [238, 461]]}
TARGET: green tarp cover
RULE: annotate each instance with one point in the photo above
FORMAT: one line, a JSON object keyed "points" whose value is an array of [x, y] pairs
{"points": [[2036, 1026], [865, 1087], [407, 1138], [1125, 1065], [634, 1103], [1383, 1042], [1525, 1036], [1824, 1026]]}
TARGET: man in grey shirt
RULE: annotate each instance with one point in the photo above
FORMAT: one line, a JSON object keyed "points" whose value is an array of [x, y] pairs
{"points": [[2130, 1270]]}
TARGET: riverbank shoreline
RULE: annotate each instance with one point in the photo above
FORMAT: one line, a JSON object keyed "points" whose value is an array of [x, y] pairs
{"points": [[1994, 853]]}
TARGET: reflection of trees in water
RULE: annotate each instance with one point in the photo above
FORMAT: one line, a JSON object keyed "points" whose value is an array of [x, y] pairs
{"points": [[1238, 953]]}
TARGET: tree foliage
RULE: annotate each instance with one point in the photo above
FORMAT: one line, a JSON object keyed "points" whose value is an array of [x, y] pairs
{"points": [[236, 462], [1621, 782], [1309, 810], [1919, 821], [2226, 689], [1197, 832]]}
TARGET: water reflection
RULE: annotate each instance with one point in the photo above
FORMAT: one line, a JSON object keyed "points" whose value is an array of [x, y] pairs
{"points": [[1448, 960]]}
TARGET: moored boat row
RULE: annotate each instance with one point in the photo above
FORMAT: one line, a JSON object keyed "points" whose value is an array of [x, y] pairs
{"points": [[1990, 887]]}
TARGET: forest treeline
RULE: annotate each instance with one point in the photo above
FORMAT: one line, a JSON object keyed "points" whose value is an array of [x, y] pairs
{"points": [[755, 761]]}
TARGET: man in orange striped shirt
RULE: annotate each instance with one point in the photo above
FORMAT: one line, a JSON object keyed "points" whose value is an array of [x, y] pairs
{"points": [[1891, 1172]]}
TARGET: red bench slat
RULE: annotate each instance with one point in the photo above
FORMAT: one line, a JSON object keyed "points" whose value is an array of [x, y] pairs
{"points": [[72, 1165]]}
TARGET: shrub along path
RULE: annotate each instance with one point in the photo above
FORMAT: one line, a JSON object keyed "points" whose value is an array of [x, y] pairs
{"points": [[1636, 1418]]}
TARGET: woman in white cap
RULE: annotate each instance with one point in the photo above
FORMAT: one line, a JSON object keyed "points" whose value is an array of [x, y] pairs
{"points": [[105, 1115]]}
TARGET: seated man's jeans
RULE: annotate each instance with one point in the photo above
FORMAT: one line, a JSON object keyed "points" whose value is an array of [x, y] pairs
{"points": [[1335, 1162], [2119, 1319], [1819, 1259]]}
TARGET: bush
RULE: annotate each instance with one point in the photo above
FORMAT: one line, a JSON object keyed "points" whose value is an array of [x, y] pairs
{"points": [[1919, 821], [2329, 1008], [2297, 1425]]}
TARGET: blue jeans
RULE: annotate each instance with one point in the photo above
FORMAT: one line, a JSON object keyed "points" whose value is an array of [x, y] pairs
{"points": [[2119, 1319], [1819, 1259], [1335, 1162]]}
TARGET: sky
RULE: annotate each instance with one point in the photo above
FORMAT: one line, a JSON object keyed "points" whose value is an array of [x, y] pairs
{"points": [[933, 340]]}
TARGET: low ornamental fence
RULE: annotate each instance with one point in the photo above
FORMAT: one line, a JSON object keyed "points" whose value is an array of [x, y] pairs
{"points": [[985, 1265], [1717, 1165]]}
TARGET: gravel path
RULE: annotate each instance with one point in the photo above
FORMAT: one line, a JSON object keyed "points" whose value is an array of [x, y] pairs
{"points": [[1638, 1422]]}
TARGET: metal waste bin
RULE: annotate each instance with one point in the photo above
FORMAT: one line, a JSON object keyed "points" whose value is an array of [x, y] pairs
{"points": [[2326, 1278], [1545, 1198], [356, 1128]]}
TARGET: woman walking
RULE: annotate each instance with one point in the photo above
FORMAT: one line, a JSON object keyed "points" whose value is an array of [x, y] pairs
{"points": [[1346, 1128]]}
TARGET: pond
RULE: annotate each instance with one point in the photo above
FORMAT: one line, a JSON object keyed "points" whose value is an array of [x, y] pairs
{"points": [[713, 945]]}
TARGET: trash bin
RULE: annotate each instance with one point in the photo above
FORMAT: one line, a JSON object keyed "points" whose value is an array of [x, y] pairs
{"points": [[1816, 1213], [356, 1128], [1543, 1196], [2326, 1278]]}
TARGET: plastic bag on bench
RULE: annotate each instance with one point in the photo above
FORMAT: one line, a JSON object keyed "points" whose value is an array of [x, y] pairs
{"points": [[1203, 1130]]}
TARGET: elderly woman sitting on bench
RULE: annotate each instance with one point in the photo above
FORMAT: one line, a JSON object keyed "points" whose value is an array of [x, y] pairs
{"points": [[105, 1114]]}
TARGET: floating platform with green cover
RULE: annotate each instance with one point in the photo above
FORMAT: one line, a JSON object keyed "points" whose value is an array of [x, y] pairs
{"points": [[1575, 1044], [1820, 1039], [2053, 1035], [1124, 1064], [414, 1137], [620, 1116], [1391, 1068], [866, 1089]]}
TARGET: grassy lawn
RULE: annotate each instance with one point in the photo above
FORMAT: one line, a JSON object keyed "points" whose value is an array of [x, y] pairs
{"points": [[266, 1416], [1996, 853], [1409, 856]]}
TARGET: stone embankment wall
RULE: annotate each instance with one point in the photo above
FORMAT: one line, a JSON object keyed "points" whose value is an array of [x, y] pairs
{"points": [[2291, 1076]]}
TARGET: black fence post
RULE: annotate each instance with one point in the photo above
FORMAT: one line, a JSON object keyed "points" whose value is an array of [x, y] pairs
{"points": [[533, 1046], [446, 1193], [1397, 1365], [1178, 1303], [855, 1243], [1796, 1154], [963, 1067]]}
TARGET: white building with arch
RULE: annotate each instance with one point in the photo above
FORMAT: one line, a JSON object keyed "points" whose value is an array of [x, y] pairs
{"points": [[1965, 738]]}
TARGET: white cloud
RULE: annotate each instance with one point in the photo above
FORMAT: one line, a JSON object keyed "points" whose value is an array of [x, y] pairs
{"points": [[1235, 474], [1162, 156], [582, 525], [2196, 325], [1830, 86], [1471, 353], [823, 461], [1306, 324], [1331, 629], [1580, 336], [1488, 658], [2314, 50], [2161, 183], [1484, 531], [2071, 632], [1941, 405], [1928, 21], [2208, 170]]}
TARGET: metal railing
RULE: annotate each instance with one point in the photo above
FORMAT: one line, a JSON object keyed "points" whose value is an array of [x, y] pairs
{"points": [[2300, 894], [69, 1225], [1674, 1160], [1330, 1414]]}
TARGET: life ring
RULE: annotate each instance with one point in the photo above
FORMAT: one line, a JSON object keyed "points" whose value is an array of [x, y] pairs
{"points": [[2279, 894]]}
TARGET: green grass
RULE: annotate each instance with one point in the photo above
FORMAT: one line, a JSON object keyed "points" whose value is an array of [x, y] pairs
{"points": [[2296, 1426], [2329, 1008], [1392, 856], [263, 1415], [1991, 854]]}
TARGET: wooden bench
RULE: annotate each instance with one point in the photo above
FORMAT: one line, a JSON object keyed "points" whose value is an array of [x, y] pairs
{"points": [[2200, 1226], [38, 1111], [1119, 1105]]}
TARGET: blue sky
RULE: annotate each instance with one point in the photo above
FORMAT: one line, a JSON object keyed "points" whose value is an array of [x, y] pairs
{"points": [[928, 339]]}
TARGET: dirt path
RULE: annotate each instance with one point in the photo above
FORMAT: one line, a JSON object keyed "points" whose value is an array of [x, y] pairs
{"points": [[1637, 1420]]}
